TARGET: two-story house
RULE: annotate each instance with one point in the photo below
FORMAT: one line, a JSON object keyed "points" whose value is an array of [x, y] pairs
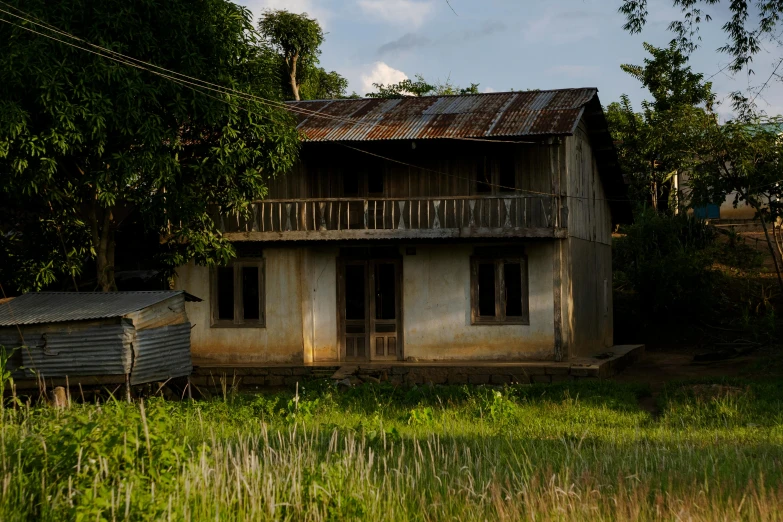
{"points": [[450, 228]]}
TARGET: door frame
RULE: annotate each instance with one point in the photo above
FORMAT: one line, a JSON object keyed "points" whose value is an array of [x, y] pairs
{"points": [[369, 306]]}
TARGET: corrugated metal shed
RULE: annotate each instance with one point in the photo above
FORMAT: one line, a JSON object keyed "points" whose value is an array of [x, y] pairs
{"points": [[104, 350], [57, 307], [161, 353], [491, 115], [142, 335]]}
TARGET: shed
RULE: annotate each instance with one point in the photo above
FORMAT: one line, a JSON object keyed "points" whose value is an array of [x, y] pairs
{"points": [[144, 336]]}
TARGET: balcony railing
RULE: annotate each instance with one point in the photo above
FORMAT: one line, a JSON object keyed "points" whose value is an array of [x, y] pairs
{"points": [[403, 217]]}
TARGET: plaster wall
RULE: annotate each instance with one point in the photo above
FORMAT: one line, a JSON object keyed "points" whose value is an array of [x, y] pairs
{"points": [[436, 301], [281, 341]]}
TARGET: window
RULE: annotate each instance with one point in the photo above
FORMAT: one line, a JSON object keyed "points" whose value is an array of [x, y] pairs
{"points": [[499, 290], [238, 294], [495, 175]]}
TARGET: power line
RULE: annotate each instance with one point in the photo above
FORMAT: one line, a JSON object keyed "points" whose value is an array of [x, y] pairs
{"points": [[170, 74], [766, 82]]}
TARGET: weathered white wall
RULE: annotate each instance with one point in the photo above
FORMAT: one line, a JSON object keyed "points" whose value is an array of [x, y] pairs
{"points": [[319, 304], [301, 310], [280, 342], [436, 301]]}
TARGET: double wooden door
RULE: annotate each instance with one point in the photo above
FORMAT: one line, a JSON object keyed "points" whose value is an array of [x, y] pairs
{"points": [[369, 309]]}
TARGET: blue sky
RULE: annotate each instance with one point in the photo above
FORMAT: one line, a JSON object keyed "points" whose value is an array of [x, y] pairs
{"points": [[511, 44]]}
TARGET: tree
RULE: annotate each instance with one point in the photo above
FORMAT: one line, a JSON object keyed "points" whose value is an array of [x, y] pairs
{"points": [[745, 33], [746, 159], [420, 87], [321, 85], [658, 144], [297, 39], [86, 141]]}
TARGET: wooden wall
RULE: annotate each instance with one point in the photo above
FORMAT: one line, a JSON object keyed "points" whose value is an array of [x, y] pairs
{"points": [[589, 217], [432, 169]]}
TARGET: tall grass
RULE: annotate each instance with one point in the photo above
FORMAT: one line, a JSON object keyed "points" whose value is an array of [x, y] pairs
{"points": [[579, 452]]}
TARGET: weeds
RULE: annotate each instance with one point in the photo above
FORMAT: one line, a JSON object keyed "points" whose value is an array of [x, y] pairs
{"points": [[582, 451]]}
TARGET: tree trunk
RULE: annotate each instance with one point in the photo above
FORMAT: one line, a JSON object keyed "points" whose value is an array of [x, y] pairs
{"points": [[104, 245], [771, 251], [292, 76]]}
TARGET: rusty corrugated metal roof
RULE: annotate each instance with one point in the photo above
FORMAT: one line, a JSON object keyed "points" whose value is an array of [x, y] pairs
{"points": [[491, 115], [57, 307]]}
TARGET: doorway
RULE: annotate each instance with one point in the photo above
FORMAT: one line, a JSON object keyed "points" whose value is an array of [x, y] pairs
{"points": [[369, 309]]}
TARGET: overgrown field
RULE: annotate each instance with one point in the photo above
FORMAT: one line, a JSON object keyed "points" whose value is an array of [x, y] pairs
{"points": [[582, 451]]}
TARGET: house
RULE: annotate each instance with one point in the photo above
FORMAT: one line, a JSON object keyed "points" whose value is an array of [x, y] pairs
{"points": [[446, 228], [97, 337]]}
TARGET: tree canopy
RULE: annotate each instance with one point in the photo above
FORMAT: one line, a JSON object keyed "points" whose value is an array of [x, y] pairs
{"points": [[658, 143], [420, 87], [86, 141], [297, 40], [749, 25]]}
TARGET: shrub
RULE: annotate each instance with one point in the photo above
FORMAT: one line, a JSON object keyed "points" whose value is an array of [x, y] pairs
{"points": [[662, 267]]}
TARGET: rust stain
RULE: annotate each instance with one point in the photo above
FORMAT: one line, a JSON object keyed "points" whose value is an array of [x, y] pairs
{"points": [[488, 115]]}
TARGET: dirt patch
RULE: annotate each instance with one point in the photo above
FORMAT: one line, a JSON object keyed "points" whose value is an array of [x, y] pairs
{"points": [[664, 364], [708, 392]]}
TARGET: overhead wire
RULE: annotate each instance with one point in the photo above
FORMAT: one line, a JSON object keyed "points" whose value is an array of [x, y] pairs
{"points": [[143, 65], [196, 84], [196, 88]]}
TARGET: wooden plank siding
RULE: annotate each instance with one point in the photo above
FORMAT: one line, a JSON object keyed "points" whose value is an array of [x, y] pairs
{"points": [[450, 189], [589, 216]]}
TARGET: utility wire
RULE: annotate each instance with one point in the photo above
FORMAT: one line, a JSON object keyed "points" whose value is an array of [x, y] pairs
{"points": [[766, 82], [196, 84], [168, 73]]}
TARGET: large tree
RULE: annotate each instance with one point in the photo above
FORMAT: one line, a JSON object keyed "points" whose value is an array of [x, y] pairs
{"points": [[659, 143], [86, 141]]}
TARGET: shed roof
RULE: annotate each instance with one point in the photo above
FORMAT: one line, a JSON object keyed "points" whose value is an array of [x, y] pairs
{"points": [[489, 115], [57, 307]]}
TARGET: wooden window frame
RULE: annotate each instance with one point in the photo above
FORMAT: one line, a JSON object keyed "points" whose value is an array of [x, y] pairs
{"points": [[239, 319], [500, 291]]}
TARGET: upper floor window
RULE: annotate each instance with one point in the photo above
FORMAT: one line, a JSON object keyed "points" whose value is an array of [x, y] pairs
{"points": [[499, 290], [362, 180], [237, 295], [495, 175]]}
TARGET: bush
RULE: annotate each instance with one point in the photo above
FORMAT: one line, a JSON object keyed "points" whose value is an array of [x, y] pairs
{"points": [[662, 268]]}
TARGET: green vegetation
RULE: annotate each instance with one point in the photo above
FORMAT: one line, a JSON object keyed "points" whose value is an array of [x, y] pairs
{"points": [[676, 279], [90, 141], [582, 451]]}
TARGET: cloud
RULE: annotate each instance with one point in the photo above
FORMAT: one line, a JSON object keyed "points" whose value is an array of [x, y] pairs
{"points": [[572, 71], [488, 90], [398, 12], [410, 41], [381, 73], [404, 43]]}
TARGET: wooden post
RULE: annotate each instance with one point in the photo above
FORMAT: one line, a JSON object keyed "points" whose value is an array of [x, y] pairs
{"points": [[127, 388]]}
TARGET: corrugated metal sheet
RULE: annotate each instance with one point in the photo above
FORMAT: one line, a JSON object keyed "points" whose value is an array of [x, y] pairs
{"points": [[56, 307], [528, 113], [161, 353], [103, 350]]}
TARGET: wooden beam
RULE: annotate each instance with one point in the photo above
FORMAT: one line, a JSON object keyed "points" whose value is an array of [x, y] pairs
{"points": [[441, 233]]}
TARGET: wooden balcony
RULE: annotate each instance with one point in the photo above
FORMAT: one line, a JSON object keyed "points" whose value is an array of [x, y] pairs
{"points": [[396, 218]]}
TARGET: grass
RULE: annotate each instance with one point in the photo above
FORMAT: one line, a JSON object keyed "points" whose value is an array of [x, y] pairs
{"points": [[582, 451]]}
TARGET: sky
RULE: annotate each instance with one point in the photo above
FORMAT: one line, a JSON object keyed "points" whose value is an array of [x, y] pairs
{"points": [[514, 44]]}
